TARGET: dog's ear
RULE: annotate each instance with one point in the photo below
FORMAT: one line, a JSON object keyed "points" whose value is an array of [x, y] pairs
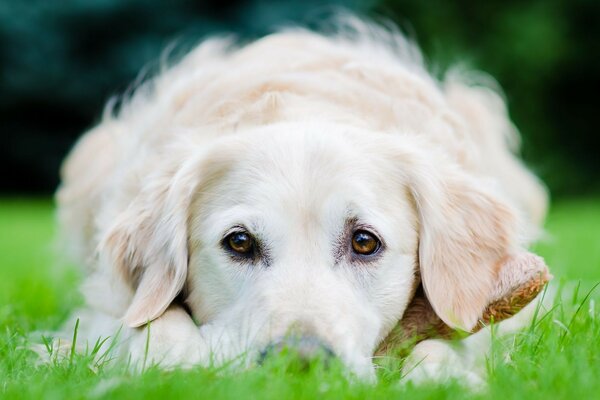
{"points": [[465, 233], [147, 245], [148, 242], [521, 279]]}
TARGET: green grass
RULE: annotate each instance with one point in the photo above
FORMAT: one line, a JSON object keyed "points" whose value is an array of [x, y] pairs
{"points": [[560, 358]]}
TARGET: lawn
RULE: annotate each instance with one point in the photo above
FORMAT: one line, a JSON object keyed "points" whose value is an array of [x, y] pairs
{"points": [[558, 358]]}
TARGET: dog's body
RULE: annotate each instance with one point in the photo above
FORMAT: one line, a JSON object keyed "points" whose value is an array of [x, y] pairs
{"points": [[298, 141]]}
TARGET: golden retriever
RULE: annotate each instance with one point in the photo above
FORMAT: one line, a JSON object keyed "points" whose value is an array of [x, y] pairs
{"points": [[303, 185]]}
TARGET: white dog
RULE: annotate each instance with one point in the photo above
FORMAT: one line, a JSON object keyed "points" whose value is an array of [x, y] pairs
{"points": [[303, 184]]}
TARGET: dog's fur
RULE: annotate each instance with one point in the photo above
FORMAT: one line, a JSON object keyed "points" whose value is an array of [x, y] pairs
{"points": [[300, 138]]}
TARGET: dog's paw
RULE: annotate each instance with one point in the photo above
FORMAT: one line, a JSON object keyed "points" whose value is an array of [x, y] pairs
{"points": [[172, 340], [51, 351], [436, 361]]}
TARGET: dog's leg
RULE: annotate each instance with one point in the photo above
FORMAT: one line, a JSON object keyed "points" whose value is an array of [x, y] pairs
{"points": [[437, 360], [172, 340]]}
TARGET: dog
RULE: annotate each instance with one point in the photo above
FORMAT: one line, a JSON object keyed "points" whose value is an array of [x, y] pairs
{"points": [[296, 191]]}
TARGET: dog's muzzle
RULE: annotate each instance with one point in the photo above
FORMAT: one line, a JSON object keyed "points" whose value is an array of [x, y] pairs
{"points": [[306, 348]]}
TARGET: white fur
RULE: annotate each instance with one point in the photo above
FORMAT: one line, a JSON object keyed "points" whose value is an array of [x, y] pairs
{"points": [[292, 137]]}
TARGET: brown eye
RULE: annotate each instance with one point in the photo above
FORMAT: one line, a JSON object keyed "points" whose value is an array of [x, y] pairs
{"points": [[240, 242], [365, 243]]}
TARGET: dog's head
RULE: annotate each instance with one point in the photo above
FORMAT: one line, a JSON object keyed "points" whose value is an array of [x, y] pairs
{"points": [[313, 229]]}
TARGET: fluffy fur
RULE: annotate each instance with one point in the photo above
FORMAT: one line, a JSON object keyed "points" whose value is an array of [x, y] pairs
{"points": [[301, 138]]}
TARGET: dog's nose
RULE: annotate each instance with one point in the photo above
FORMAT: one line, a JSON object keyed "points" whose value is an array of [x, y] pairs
{"points": [[306, 348]]}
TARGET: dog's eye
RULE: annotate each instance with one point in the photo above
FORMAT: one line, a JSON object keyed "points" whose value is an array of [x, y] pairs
{"points": [[241, 243], [365, 243]]}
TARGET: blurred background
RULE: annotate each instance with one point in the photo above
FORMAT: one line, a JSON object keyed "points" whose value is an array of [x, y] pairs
{"points": [[60, 61]]}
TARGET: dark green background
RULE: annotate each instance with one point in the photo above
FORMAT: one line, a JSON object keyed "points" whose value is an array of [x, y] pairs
{"points": [[60, 60]]}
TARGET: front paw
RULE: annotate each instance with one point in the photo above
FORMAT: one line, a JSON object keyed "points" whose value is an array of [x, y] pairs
{"points": [[172, 340], [436, 361]]}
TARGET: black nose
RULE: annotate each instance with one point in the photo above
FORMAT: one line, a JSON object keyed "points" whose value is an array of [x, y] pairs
{"points": [[305, 348]]}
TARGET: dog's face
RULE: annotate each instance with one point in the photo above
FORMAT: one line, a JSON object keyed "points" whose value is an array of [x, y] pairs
{"points": [[313, 230], [304, 234]]}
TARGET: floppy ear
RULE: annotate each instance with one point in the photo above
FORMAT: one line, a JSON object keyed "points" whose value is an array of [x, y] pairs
{"points": [[521, 279], [148, 245], [465, 233]]}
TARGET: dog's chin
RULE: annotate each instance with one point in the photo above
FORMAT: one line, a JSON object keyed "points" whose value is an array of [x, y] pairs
{"points": [[244, 351]]}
